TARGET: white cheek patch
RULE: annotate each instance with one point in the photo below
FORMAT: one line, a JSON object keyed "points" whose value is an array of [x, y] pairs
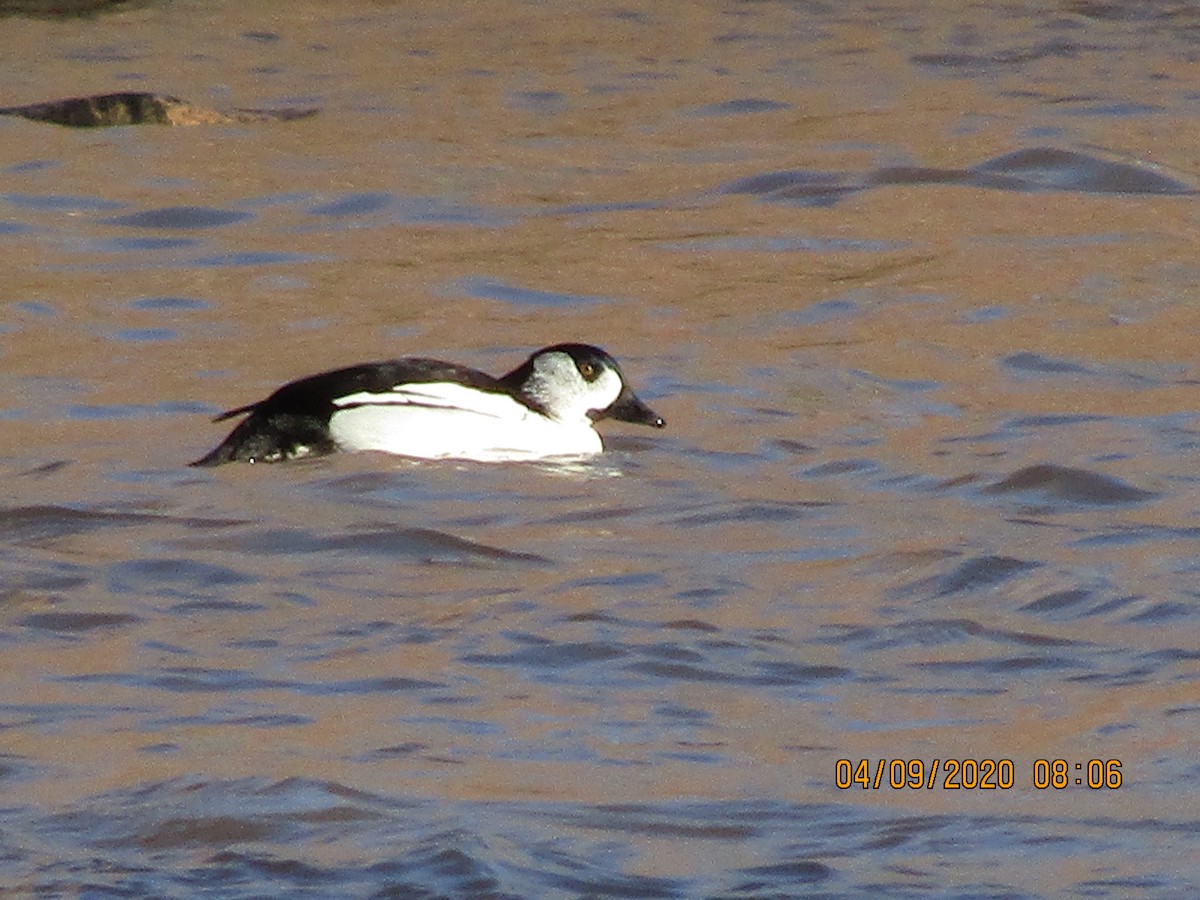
{"points": [[605, 390], [588, 396]]}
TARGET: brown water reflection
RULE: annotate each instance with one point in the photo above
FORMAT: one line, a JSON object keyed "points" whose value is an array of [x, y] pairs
{"points": [[927, 492]]}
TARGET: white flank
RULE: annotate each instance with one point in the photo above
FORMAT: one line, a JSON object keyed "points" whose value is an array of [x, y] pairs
{"points": [[443, 420]]}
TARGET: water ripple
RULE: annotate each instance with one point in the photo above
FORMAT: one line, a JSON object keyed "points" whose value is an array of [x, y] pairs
{"points": [[421, 544], [1070, 485], [181, 217], [1027, 170], [247, 837]]}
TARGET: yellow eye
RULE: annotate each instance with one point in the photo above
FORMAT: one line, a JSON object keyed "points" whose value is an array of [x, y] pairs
{"points": [[587, 370]]}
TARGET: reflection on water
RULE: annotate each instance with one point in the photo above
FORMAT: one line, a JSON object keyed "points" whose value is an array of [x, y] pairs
{"points": [[928, 492], [490, 289]]}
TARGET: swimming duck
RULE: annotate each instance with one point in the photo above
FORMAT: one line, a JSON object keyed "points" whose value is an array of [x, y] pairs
{"points": [[546, 407]]}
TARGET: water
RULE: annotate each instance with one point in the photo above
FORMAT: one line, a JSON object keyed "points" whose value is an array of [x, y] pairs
{"points": [[914, 290]]}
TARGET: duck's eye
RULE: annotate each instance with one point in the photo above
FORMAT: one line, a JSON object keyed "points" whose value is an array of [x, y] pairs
{"points": [[587, 370]]}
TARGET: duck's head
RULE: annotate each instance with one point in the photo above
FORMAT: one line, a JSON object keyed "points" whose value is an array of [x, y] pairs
{"points": [[574, 382]]}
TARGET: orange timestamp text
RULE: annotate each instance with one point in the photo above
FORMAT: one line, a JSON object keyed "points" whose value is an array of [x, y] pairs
{"points": [[974, 774]]}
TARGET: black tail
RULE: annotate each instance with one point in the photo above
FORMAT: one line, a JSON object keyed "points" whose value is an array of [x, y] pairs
{"points": [[269, 437]]}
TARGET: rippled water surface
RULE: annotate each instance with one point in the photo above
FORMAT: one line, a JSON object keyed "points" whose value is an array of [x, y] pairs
{"points": [[914, 286]]}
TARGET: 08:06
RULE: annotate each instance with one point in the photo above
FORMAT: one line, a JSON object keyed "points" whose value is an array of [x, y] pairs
{"points": [[1056, 773]]}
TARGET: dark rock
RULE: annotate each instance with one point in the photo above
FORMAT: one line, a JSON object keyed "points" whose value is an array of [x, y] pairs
{"points": [[105, 110]]}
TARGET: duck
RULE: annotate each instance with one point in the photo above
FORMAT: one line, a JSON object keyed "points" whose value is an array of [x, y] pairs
{"points": [[546, 407]]}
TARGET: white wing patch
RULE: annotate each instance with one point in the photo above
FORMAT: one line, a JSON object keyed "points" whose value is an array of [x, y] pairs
{"points": [[440, 395]]}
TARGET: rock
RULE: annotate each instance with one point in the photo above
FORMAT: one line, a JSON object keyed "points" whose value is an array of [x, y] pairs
{"points": [[104, 110]]}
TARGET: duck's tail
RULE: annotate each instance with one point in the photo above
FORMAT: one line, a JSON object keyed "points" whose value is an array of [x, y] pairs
{"points": [[268, 437]]}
